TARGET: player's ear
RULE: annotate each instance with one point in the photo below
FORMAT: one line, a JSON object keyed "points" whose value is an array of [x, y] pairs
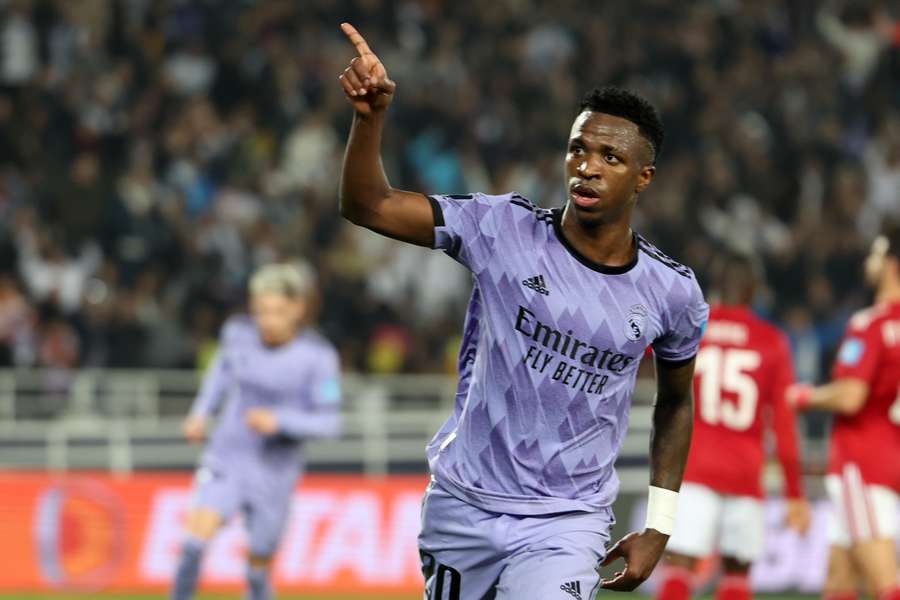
{"points": [[644, 178]]}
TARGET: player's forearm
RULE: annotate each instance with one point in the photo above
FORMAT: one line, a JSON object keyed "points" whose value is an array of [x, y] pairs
{"points": [[303, 424], [203, 406], [670, 440], [207, 402], [789, 459], [793, 476], [788, 449], [364, 184], [212, 391], [845, 396]]}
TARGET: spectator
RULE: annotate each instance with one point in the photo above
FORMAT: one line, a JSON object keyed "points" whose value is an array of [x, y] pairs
{"points": [[16, 326], [152, 154]]}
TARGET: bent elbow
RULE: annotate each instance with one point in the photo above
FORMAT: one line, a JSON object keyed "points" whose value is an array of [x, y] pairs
{"points": [[358, 213], [347, 210], [363, 208]]}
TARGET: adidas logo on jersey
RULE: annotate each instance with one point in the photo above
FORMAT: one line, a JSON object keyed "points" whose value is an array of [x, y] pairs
{"points": [[537, 284], [573, 588]]}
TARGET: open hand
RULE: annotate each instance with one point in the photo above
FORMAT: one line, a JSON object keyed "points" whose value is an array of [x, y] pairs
{"points": [[194, 429], [641, 552], [365, 81], [261, 420]]}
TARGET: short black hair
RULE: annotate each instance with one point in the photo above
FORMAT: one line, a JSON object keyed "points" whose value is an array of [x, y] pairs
{"points": [[623, 103]]}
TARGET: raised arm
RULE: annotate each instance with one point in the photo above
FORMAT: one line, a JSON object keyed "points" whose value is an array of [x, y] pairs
{"points": [[366, 196]]}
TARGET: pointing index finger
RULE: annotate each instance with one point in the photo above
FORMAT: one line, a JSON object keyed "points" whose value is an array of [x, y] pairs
{"points": [[362, 48]]}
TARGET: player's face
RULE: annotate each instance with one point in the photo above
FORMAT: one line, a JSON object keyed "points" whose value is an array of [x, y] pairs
{"points": [[876, 262], [608, 163], [277, 316]]}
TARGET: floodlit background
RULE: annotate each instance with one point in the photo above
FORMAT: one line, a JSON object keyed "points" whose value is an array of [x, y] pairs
{"points": [[154, 152]]}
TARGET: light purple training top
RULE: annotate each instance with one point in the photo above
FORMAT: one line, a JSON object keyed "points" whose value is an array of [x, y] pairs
{"points": [[299, 381]]}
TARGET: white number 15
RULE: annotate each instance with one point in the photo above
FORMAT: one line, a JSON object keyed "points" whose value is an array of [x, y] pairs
{"points": [[726, 370]]}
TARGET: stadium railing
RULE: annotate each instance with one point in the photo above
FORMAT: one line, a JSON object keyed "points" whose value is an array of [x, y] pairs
{"points": [[126, 420]]}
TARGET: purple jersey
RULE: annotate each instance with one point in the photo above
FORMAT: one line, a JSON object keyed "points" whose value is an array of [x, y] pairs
{"points": [[299, 381], [549, 358]]}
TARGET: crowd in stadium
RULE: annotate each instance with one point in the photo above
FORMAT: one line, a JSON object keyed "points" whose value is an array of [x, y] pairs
{"points": [[152, 154]]}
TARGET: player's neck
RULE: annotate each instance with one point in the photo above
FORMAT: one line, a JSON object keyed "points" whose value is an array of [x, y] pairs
{"points": [[275, 342], [888, 292], [735, 299], [610, 244]]}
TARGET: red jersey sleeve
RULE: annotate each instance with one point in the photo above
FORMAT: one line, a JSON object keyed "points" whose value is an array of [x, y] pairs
{"points": [[784, 422], [860, 351]]}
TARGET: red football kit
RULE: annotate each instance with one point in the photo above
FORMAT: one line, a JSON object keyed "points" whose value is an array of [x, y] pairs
{"points": [[742, 371], [870, 439]]}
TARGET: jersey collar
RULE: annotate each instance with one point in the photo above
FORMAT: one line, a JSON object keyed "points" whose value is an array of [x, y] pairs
{"points": [[590, 264]]}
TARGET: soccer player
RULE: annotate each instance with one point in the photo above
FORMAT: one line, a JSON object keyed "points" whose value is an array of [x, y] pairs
{"points": [[565, 303], [743, 370], [863, 480], [281, 380]]}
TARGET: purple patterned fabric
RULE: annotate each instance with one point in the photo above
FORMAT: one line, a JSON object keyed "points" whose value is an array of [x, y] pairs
{"points": [[550, 353]]}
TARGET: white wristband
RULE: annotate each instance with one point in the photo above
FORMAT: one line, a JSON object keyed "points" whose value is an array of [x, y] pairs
{"points": [[662, 505]]}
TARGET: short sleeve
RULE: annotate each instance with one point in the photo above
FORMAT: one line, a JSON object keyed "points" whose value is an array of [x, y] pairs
{"points": [[466, 226], [682, 341], [859, 352]]}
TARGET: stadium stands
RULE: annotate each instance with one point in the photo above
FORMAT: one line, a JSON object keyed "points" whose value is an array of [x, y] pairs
{"points": [[153, 153]]}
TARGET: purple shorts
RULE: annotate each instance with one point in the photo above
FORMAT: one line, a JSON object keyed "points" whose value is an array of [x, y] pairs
{"points": [[471, 554], [264, 499]]}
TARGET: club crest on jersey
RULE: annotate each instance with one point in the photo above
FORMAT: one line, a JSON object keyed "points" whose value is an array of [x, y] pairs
{"points": [[634, 322], [851, 351]]}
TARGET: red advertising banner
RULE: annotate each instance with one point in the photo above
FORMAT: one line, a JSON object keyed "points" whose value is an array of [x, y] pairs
{"points": [[347, 534], [96, 531]]}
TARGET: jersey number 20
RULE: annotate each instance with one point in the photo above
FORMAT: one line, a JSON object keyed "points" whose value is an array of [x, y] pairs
{"points": [[726, 370]]}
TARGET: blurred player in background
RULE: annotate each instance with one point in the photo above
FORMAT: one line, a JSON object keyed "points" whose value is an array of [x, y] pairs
{"points": [[743, 371], [863, 481], [565, 303], [282, 380]]}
